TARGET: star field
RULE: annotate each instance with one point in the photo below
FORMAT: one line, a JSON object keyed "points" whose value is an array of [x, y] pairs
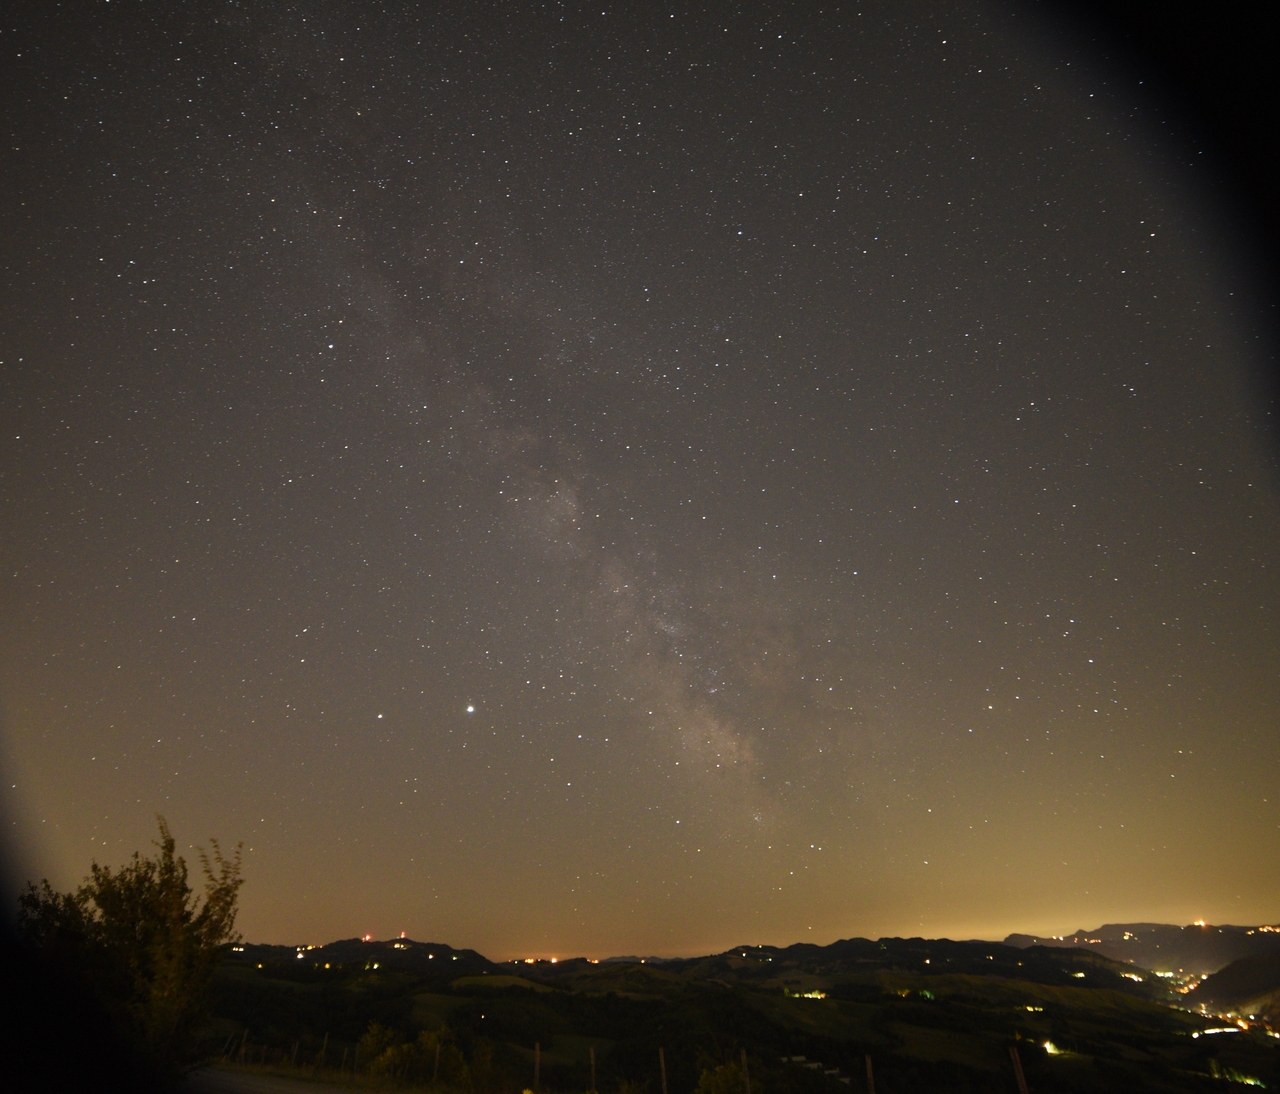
{"points": [[565, 479]]}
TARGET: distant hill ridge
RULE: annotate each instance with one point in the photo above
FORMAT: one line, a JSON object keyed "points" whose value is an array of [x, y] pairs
{"points": [[1199, 948], [1128, 943], [1249, 987]]}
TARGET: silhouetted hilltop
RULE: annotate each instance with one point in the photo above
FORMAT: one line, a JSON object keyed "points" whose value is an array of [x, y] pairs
{"points": [[1249, 986], [405, 954], [1197, 949]]}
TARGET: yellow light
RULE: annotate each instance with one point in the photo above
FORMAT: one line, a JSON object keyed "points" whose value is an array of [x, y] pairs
{"points": [[1051, 1048]]}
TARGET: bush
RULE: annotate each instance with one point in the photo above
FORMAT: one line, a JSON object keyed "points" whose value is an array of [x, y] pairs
{"points": [[725, 1079], [434, 1055]]}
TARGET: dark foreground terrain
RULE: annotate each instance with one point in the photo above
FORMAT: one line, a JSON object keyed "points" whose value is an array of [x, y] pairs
{"points": [[932, 1016]]}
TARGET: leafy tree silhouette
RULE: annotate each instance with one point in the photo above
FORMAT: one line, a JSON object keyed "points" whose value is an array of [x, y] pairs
{"points": [[143, 944]]}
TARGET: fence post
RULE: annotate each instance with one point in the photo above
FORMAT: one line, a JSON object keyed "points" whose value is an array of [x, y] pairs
{"points": [[662, 1066], [871, 1078], [1017, 1069], [537, 1062]]}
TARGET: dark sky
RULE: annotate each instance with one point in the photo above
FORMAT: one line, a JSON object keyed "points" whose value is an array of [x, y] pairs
{"points": [[563, 479]]}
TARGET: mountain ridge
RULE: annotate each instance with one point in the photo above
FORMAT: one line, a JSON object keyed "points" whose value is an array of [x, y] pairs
{"points": [[1197, 949]]}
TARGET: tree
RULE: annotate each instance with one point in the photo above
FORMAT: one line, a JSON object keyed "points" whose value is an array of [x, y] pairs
{"points": [[143, 943]]}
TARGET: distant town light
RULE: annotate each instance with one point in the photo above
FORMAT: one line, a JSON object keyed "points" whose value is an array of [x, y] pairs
{"points": [[1051, 1048]]}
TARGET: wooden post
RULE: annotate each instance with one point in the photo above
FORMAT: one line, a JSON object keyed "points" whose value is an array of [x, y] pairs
{"points": [[593, 1070], [243, 1042], [1017, 1069], [293, 1059], [662, 1066], [746, 1075], [871, 1078], [537, 1062], [342, 1067], [324, 1051], [435, 1071]]}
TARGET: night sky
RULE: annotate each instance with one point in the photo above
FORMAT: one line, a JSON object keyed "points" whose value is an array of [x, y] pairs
{"points": [[564, 480]]}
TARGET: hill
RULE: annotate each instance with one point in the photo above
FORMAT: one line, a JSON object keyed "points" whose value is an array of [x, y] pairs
{"points": [[933, 1015], [1195, 950], [1249, 986]]}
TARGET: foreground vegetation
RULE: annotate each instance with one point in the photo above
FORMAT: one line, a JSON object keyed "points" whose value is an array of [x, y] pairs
{"points": [[932, 1016], [135, 952]]}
